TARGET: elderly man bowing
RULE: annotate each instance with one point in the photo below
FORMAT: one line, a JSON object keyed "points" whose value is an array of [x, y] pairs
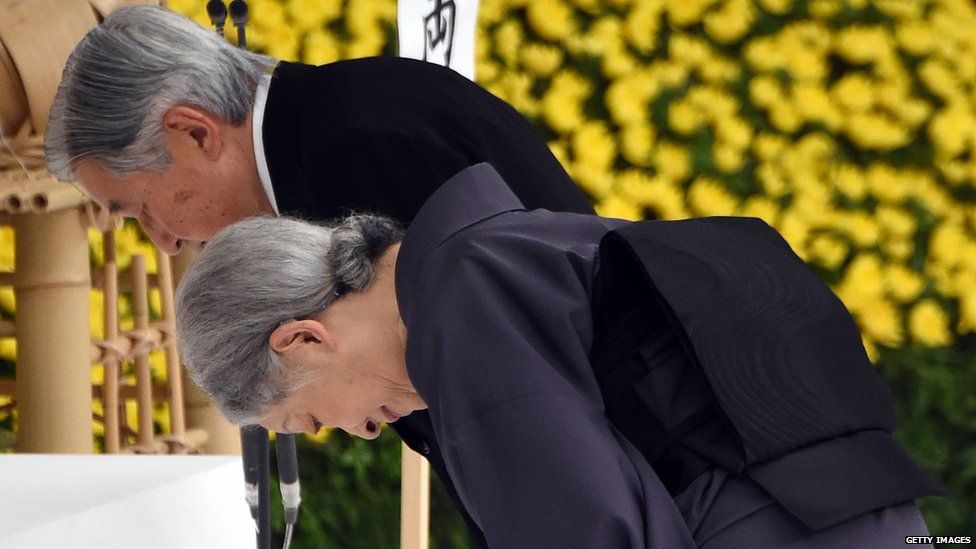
{"points": [[160, 119]]}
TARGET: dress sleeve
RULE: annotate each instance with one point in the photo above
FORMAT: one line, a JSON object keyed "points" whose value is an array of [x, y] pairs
{"points": [[499, 353]]}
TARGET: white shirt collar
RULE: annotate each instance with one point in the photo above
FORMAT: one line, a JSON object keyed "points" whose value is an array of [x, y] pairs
{"points": [[257, 121]]}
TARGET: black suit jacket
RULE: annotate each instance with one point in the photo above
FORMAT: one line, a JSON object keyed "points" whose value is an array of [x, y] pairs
{"points": [[381, 135]]}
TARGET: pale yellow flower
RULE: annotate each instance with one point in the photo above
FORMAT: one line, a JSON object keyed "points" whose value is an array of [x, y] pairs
{"points": [[849, 180], [948, 243], [627, 102], [561, 111], [806, 65], [764, 55], [929, 324], [708, 197], [550, 19], [486, 71], [897, 250], [687, 49], [560, 151]]}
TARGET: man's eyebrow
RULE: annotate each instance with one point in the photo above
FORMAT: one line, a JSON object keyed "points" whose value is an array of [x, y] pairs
{"points": [[114, 206]]}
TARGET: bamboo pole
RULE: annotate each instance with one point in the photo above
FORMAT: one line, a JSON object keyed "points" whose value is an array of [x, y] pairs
{"points": [[53, 361], [140, 306], [7, 328], [414, 500], [177, 420], [223, 437], [110, 383]]}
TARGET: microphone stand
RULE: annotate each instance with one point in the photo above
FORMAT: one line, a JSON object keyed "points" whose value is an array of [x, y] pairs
{"points": [[255, 447]]}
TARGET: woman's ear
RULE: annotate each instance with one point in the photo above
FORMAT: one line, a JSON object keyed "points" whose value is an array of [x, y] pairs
{"points": [[295, 333]]}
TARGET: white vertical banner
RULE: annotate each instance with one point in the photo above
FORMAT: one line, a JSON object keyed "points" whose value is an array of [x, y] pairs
{"points": [[438, 31]]}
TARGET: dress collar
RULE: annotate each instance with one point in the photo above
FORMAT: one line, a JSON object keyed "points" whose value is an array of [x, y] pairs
{"points": [[472, 195]]}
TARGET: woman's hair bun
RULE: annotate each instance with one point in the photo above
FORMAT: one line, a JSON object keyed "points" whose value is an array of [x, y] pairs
{"points": [[357, 241]]}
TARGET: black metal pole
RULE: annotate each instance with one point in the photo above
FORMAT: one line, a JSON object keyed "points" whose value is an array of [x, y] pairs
{"points": [[264, 493]]}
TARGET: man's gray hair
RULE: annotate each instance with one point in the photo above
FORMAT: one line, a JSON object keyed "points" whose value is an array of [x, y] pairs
{"points": [[127, 72], [252, 277]]}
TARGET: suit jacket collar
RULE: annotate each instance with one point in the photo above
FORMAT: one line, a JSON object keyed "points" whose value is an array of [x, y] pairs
{"points": [[472, 195]]}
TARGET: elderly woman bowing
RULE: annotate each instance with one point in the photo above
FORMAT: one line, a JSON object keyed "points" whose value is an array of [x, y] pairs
{"points": [[568, 364]]}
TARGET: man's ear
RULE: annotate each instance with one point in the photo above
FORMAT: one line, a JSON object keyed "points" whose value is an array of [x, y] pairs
{"points": [[189, 127], [296, 333]]}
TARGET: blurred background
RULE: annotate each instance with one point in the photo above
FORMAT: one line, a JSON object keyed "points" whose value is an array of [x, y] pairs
{"points": [[849, 126]]}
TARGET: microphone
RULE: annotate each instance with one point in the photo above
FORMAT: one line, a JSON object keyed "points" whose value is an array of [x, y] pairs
{"points": [[249, 454], [254, 451], [217, 12], [238, 14], [288, 478]]}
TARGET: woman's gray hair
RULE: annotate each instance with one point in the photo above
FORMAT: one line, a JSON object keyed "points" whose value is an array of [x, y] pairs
{"points": [[127, 72], [254, 276]]}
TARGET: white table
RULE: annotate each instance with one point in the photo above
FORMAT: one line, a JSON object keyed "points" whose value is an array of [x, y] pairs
{"points": [[123, 501]]}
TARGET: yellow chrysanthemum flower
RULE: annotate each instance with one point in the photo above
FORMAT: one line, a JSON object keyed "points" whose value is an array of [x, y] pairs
{"points": [[593, 144], [683, 13], [902, 283], [636, 144], [672, 161], [915, 37], [540, 59], [707, 197], [7, 299], [929, 324], [562, 112], [8, 349], [828, 250], [727, 158], [550, 19], [684, 118], [321, 47], [874, 131], [616, 207], [776, 7], [762, 207], [308, 15], [863, 44], [641, 26], [595, 180], [881, 322], [6, 249], [731, 22], [508, 41]]}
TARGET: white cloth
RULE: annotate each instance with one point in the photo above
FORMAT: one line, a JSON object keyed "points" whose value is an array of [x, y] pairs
{"points": [[257, 120], [123, 501]]}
